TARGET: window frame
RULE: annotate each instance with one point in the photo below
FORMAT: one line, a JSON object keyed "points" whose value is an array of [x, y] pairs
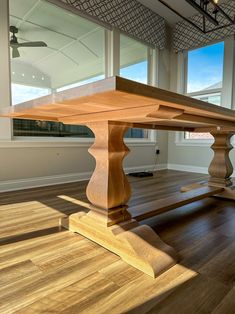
{"points": [[228, 68], [199, 141], [110, 63]]}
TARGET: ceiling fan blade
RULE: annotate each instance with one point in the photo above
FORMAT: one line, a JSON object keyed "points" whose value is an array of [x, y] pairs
{"points": [[15, 52], [33, 44]]}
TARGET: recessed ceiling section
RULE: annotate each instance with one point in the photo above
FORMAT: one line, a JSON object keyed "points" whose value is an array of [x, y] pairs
{"points": [[54, 18], [21, 7]]}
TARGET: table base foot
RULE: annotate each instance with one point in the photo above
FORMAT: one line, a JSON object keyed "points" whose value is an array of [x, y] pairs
{"points": [[227, 193], [193, 186], [138, 245]]}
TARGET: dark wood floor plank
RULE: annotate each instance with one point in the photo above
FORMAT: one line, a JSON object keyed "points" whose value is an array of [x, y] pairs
{"points": [[222, 266], [227, 305], [199, 295]]}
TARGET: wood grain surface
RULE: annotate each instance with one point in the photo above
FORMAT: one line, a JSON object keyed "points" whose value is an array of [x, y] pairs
{"points": [[119, 99]]}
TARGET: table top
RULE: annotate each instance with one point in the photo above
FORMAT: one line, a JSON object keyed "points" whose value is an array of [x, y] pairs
{"points": [[124, 101]]}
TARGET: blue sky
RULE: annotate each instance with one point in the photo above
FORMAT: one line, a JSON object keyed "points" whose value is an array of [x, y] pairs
{"points": [[205, 67], [136, 72]]}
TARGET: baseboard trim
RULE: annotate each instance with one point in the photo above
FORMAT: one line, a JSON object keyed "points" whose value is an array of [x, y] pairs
{"points": [[23, 184], [188, 168]]}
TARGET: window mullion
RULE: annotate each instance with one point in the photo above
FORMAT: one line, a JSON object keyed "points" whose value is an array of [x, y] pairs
{"points": [[112, 53], [228, 72], [153, 68], [5, 76]]}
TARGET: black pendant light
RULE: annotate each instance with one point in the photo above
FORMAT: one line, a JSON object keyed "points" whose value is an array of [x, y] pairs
{"points": [[209, 10]]}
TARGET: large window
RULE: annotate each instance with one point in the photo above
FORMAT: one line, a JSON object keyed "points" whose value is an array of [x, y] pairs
{"points": [[74, 55], [205, 68], [205, 77]]}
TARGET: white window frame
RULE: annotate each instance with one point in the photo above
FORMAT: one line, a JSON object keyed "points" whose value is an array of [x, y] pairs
{"points": [[5, 70], [227, 91], [112, 67]]}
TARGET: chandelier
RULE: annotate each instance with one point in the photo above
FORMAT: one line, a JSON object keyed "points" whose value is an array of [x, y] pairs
{"points": [[211, 12]]}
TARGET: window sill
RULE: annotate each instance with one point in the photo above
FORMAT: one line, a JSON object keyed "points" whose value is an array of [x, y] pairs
{"points": [[181, 141], [201, 143], [38, 142]]}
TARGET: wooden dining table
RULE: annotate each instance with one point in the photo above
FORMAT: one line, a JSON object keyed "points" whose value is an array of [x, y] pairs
{"points": [[109, 107]]}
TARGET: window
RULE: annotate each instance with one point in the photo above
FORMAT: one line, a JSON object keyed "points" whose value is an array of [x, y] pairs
{"points": [[74, 56], [137, 133], [205, 68], [133, 60], [205, 77], [134, 66]]}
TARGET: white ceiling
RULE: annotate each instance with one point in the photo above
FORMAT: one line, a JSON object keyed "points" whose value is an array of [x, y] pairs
{"points": [[75, 49], [72, 43]]}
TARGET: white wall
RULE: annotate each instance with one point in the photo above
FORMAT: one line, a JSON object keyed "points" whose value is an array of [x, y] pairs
{"points": [[193, 156], [25, 167]]}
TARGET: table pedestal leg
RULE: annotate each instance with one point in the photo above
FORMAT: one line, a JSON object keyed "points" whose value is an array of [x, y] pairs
{"points": [[108, 222], [221, 168]]}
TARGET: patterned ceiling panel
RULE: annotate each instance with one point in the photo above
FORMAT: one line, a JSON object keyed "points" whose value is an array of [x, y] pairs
{"points": [[185, 36], [129, 16]]}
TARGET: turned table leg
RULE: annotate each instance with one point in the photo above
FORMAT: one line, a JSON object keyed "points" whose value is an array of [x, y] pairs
{"points": [[108, 222], [221, 168], [108, 188]]}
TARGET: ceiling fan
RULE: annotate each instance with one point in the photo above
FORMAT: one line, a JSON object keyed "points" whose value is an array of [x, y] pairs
{"points": [[14, 44]]}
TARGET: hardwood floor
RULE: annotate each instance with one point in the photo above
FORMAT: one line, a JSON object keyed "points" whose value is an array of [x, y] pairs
{"points": [[46, 269]]}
